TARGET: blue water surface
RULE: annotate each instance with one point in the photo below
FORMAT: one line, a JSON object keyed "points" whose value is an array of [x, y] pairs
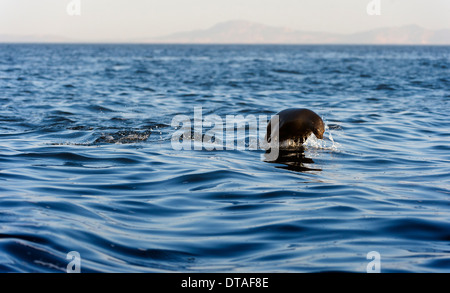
{"points": [[87, 163]]}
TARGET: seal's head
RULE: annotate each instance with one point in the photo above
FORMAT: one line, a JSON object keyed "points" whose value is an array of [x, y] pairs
{"points": [[318, 127], [296, 124]]}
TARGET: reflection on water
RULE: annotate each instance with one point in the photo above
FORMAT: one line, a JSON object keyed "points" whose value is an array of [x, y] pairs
{"points": [[294, 160]]}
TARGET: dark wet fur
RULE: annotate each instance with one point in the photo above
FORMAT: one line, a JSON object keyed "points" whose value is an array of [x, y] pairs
{"points": [[297, 125]]}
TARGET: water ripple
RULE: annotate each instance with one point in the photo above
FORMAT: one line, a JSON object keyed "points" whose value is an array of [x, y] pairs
{"points": [[86, 162]]}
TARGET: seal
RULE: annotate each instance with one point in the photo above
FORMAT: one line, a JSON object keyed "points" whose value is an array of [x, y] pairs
{"points": [[295, 125], [123, 137]]}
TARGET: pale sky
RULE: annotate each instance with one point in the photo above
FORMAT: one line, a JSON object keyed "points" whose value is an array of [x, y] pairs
{"points": [[127, 19]]}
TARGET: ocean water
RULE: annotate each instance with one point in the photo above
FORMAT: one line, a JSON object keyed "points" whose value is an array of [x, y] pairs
{"points": [[87, 162]]}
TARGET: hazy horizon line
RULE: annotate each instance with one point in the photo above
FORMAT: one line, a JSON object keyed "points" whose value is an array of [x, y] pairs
{"points": [[60, 39]]}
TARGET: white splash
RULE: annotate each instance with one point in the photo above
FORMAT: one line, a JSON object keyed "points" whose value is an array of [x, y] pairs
{"points": [[325, 144]]}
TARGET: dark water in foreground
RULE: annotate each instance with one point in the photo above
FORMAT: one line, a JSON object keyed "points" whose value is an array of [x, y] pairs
{"points": [[87, 165]]}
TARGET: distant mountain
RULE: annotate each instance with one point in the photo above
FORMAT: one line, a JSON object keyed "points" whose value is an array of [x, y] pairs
{"points": [[245, 32]]}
